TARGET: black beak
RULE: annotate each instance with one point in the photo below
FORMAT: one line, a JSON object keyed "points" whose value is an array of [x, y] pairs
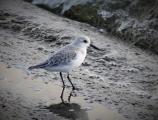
{"points": [[93, 46]]}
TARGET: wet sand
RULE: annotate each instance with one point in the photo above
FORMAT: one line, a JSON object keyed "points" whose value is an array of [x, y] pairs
{"points": [[35, 91]]}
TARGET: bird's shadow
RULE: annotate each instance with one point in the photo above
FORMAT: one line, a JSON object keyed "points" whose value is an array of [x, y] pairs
{"points": [[69, 110]]}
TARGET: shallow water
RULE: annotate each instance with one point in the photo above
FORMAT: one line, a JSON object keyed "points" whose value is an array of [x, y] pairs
{"points": [[36, 92]]}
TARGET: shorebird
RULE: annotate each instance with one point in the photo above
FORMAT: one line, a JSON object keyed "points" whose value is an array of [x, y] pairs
{"points": [[67, 58]]}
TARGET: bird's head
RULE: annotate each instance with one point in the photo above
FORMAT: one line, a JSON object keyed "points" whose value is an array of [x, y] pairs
{"points": [[83, 42]]}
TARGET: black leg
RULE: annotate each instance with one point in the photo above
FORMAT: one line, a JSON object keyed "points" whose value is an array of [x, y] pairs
{"points": [[62, 93], [61, 96], [70, 95], [70, 82], [62, 79]]}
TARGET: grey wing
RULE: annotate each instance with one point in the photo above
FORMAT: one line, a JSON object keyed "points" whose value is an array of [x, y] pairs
{"points": [[41, 65], [63, 57]]}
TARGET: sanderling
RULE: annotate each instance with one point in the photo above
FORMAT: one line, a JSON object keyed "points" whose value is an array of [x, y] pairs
{"points": [[67, 58]]}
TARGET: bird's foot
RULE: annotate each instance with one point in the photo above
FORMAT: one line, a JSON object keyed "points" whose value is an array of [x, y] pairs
{"points": [[74, 94], [74, 88]]}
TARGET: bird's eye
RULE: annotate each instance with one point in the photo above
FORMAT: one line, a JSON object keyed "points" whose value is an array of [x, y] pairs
{"points": [[85, 41]]}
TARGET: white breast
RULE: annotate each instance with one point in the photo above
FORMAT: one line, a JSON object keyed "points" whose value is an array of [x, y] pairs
{"points": [[81, 54]]}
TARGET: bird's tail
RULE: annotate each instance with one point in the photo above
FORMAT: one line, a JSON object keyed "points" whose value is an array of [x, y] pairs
{"points": [[42, 65], [32, 67]]}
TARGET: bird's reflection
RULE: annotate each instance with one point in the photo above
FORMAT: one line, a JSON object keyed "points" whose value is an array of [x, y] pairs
{"points": [[69, 110], [72, 93]]}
